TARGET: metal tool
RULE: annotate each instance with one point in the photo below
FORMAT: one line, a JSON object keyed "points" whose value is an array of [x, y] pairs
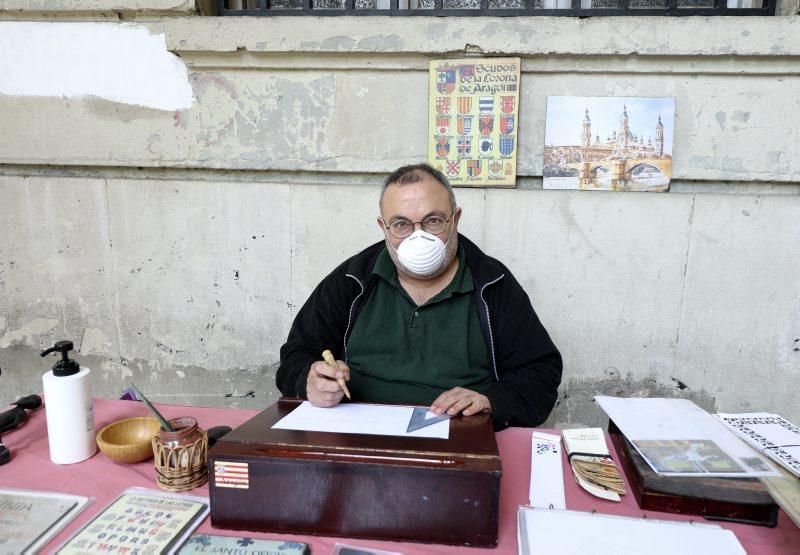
{"points": [[419, 420], [161, 419]]}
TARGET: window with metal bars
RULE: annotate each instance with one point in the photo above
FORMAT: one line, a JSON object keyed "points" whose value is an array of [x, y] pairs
{"points": [[580, 8]]}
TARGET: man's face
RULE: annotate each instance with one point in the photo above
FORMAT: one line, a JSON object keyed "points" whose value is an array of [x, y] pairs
{"points": [[414, 202]]}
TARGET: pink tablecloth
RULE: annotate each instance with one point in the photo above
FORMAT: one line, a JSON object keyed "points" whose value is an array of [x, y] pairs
{"points": [[30, 468]]}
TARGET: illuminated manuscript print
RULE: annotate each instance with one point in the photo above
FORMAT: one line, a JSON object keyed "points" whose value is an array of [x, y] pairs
{"points": [[473, 119]]}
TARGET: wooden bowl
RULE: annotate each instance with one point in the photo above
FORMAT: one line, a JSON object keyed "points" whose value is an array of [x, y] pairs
{"points": [[129, 440]]}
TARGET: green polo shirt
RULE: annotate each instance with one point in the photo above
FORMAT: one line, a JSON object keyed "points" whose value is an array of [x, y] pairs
{"points": [[399, 352]]}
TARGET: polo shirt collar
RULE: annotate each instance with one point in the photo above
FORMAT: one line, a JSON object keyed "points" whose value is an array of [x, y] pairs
{"points": [[461, 283]]}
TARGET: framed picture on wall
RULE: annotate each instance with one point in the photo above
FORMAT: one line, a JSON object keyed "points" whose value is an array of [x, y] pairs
{"points": [[608, 143]]}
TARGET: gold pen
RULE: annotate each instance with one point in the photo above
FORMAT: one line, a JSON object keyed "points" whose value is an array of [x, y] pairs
{"points": [[327, 356]]}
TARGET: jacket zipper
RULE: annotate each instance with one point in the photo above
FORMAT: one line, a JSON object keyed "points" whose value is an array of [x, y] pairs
{"points": [[350, 315], [489, 324]]}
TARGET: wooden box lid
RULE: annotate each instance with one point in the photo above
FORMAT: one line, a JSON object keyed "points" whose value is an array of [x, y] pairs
{"points": [[357, 485], [471, 444]]}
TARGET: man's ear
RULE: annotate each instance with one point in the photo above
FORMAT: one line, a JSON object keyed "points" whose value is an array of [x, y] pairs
{"points": [[457, 216], [379, 221]]}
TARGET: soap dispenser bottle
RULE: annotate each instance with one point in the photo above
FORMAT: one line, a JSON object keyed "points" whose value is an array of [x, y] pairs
{"points": [[68, 408]]}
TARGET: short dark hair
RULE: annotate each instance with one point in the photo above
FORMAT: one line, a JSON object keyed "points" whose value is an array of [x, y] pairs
{"points": [[414, 174]]}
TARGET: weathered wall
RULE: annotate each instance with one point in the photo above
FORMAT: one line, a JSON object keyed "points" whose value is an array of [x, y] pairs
{"points": [[175, 247]]}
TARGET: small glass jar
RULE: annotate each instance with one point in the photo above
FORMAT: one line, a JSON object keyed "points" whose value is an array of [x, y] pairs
{"points": [[180, 455]]}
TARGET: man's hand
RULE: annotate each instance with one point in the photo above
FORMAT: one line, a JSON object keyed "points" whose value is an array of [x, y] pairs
{"points": [[322, 389], [460, 400]]}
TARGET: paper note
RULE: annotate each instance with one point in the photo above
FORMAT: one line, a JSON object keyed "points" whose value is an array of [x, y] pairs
{"points": [[546, 531], [547, 475], [357, 418], [678, 438]]}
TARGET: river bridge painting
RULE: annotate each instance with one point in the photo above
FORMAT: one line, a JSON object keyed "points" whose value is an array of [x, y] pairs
{"points": [[608, 143]]}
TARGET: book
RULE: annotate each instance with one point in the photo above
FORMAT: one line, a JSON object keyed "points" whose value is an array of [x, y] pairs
{"points": [[770, 434], [745, 500], [206, 543], [344, 549], [140, 519], [28, 519], [592, 465]]}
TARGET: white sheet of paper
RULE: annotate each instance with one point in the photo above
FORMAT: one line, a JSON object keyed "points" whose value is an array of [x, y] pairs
{"points": [[644, 419], [356, 418], [553, 531], [547, 475]]}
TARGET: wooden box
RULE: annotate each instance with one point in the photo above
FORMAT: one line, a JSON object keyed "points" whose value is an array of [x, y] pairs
{"points": [[355, 485], [744, 500]]}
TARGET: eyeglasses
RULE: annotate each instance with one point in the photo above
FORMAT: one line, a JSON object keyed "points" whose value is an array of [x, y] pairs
{"points": [[433, 224]]}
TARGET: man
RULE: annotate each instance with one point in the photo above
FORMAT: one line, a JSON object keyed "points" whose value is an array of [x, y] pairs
{"points": [[423, 317]]}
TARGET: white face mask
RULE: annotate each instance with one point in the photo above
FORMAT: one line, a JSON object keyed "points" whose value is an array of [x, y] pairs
{"points": [[421, 253]]}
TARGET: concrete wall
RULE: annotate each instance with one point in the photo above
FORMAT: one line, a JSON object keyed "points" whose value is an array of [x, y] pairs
{"points": [[175, 248]]}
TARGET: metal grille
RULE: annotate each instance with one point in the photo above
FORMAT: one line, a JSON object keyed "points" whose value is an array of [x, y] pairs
{"points": [[579, 8]]}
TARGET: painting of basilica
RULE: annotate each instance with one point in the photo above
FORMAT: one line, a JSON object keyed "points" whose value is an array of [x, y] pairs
{"points": [[608, 143]]}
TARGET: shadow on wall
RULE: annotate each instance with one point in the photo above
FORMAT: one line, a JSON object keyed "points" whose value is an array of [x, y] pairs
{"points": [[22, 370], [575, 406]]}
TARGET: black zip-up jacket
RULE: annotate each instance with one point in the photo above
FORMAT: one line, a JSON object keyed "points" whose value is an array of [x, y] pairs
{"points": [[526, 366]]}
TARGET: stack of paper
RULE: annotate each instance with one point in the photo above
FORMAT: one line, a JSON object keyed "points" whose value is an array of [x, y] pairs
{"points": [[593, 467]]}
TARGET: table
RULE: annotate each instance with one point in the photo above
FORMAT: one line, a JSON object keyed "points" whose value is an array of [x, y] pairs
{"points": [[104, 480]]}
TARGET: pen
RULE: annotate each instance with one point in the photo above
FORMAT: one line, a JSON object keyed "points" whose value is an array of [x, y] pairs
{"points": [[328, 357]]}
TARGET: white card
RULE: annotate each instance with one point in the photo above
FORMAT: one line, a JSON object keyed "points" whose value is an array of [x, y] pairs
{"points": [[547, 474]]}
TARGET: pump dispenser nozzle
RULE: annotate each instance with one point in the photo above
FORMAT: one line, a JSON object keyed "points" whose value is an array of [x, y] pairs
{"points": [[65, 366], [68, 408]]}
